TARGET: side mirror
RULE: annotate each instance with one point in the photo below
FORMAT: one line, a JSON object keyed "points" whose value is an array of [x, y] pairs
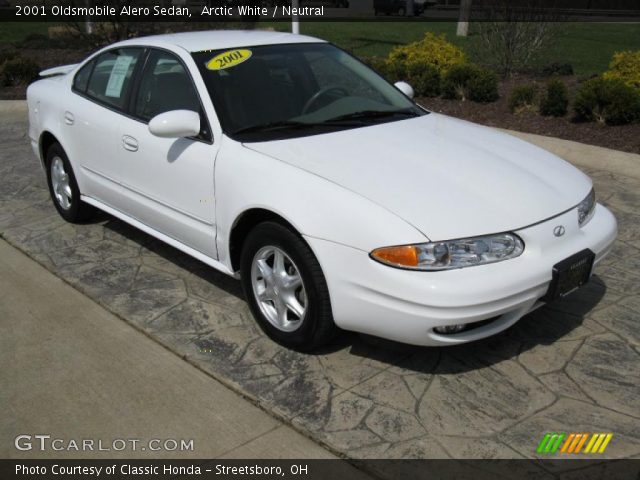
{"points": [[175, 124], [405, 88]]}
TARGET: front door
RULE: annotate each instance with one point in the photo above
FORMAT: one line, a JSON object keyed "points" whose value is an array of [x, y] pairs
{"points": [[168, 182]]}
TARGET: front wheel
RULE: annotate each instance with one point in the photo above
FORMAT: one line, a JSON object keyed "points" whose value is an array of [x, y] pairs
{"points": [[285, 288]]}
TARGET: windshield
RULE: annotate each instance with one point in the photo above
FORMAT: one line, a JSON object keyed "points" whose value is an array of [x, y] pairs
{"points": [[279, 91]]}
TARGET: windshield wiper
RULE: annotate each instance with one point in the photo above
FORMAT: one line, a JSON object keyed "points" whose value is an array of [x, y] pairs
{"points": [[283, 125], [331, 122], [372, 114]]}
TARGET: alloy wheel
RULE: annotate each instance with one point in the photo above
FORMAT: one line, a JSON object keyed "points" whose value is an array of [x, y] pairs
{"points": [[278, 288], [61, 183]]}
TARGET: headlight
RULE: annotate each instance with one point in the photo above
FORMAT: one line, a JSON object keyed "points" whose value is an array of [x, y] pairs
{"points": [[451, 254], [586, 208]]}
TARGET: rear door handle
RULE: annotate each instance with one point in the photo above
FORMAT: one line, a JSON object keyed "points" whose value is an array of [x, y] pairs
{"points": [[129, 143], [69, 118]]}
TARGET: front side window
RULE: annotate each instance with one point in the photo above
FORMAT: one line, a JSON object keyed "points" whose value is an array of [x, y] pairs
{"points": [[110, 80], [165, 86], [277, 91]]}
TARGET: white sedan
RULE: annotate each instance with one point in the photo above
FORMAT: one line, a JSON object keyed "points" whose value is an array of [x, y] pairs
{"points": [[286, 162]]}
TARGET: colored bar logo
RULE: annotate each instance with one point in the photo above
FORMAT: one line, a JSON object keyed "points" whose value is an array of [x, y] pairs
{"points": [[573, 443]]}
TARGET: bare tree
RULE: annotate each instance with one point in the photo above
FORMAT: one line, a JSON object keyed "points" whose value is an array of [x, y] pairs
{"points": [[98, 34], [514, 34]]}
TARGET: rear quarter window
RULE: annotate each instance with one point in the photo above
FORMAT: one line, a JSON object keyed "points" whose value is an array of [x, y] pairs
{"points": [[82, 77]]}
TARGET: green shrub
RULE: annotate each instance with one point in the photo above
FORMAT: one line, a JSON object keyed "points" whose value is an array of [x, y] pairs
{"points": [[625, 66], [432, 50], [455, 81], [425, 80], [483, 86], [607, 100], [18, 71], [470, 82], [556, 100], [522, 98], [423, 63], [556, 68]]}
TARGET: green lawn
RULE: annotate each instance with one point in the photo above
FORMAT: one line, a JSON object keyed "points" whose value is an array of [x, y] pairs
{"points": [[373, 38], [587, 46], [16, 31], [590, 46]]}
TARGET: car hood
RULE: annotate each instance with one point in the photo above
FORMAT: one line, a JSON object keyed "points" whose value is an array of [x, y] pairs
{"points": [[447, 177]]}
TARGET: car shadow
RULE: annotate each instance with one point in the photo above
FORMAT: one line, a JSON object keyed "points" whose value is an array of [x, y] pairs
{"points": [[173, 255], [177, 148], [544, 326]]}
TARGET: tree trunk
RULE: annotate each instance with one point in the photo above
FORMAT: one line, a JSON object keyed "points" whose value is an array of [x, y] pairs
{"points": [[463, 18]]}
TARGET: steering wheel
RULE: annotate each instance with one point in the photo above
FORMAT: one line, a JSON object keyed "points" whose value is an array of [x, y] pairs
{"points": [[320, 93]]}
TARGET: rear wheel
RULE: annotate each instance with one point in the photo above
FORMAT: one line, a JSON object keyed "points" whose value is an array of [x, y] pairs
{"points": [[63, 187], [285, 288]]}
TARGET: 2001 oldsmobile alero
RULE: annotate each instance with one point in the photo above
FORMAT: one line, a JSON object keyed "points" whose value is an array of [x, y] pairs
{"points": [[339, 202]]}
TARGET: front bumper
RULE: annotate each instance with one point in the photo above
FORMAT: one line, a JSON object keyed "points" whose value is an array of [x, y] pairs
{"points": [[406, 306]]}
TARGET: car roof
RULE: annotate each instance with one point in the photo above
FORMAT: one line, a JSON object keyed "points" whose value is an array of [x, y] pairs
{"points": [[219, 39]]}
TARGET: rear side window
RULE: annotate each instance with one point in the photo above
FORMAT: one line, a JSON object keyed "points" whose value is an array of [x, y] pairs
{"points": [[82, 77], [111, 78]]}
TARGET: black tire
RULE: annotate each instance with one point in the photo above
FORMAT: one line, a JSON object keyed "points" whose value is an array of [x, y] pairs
{"points": [[78, 211], [317, 327]]}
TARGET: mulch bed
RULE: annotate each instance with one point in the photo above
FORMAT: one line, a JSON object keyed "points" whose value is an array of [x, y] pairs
{"points": [[497, 114]]}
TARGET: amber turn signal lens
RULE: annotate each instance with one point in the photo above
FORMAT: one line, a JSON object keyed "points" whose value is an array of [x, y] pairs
{"points": [[406, 256]]}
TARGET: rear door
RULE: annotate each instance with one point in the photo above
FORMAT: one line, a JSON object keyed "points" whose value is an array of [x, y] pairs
{"points": [[102, 87], [168, 183]]}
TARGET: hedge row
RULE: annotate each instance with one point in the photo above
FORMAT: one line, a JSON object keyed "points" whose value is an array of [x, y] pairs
{"points": [[608, 101]]}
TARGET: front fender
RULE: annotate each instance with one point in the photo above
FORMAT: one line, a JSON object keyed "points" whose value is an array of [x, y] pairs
{"points": [[316, 207]]}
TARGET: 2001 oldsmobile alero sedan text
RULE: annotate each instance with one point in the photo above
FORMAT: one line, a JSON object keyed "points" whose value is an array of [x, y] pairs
{"points": [[339, 202]]}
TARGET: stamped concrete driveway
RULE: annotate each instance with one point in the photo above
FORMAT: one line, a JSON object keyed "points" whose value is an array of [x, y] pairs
{"points": [[570, 366]]}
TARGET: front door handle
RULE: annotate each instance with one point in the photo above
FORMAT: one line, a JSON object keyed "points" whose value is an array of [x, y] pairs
{"points": [[69, 118], [129, 143]]}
